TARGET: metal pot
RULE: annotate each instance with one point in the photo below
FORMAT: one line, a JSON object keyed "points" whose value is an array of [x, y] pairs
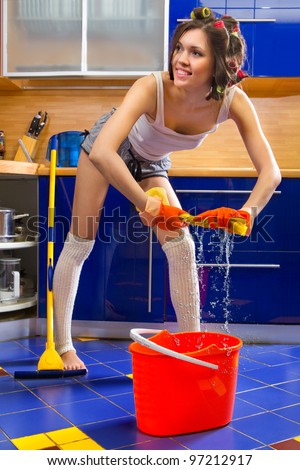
{"points": [[7, 223]]}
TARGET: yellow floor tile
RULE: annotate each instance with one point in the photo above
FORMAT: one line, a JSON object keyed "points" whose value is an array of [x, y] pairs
{"points": [[34, 442], [67, 435], [87, 339], [86, 444]]}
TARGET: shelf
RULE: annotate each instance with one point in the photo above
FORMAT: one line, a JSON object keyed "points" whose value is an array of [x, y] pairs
{"points": [[16, 245], [26, 302]]}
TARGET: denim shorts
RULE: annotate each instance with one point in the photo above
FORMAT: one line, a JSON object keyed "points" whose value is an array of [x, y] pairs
{"points": [[139, 167]]}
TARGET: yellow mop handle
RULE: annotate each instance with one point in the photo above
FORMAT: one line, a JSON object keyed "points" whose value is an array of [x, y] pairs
{"points": [[50, 248]]}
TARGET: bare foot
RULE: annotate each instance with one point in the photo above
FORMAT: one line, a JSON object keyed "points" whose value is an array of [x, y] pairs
{"points": [[71, 361]]}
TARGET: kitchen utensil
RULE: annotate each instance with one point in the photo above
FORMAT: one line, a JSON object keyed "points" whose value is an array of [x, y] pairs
{"points": [[7, 222], [50, 364], [40, 126], [34, 124], [28, 145], [29, 159], [31, 145], [9, 279]]}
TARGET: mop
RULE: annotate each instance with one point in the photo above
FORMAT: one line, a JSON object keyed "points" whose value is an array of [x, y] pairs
{"points": [[50, 364]]}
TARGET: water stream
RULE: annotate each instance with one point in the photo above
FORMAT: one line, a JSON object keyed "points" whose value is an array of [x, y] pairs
{"points": [[213, 260]]}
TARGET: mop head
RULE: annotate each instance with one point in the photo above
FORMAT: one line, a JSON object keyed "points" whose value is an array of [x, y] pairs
{"points": [[50, 366], [48, 374]]}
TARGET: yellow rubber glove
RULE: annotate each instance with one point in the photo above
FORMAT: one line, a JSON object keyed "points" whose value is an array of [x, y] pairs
{"points": [[159, 212]]}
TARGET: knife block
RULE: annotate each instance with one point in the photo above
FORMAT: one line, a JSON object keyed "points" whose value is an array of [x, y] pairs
{"points": [[31, 147]]}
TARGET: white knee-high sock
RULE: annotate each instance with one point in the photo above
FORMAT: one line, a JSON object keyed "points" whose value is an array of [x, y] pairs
{"points": [[184, 284], [65, 283]]}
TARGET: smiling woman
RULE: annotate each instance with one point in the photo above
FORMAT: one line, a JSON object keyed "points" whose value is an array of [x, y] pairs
{"points": [[129, 148]]}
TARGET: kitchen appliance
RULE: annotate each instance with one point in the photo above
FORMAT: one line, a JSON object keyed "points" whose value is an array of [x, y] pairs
{"points": [[7, 223], [9, 279]]}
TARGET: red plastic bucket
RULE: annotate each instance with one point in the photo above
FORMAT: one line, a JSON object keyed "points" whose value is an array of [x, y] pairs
{"points": [[176, 397]]}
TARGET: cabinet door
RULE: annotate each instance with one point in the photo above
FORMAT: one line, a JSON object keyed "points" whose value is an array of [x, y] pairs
{"points": [[276, 44], [234, 293], [131, 34], [42, 36], [84, 37], [119, 281]]}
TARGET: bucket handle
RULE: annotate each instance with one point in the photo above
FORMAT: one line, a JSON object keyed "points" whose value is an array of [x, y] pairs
{"points": [[136, 333]]}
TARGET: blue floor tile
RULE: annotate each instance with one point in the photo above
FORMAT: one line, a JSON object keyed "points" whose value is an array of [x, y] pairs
{"points": [[19, 401], [291, 412], [101, 403], [8, 384], [115, 434], [244, 383], [276, 374], [270, 398], [110, 355], [32, 422], [91, 346], [7, 445], [98, 371], [157, 444], [267, 428], [218, 439], [125, 367], [125, 401], [113, 386], [90, 411], [292, 387], [243, 409], [65, 393], [274, 358]]}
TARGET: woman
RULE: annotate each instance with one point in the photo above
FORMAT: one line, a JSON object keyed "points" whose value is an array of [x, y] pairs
{"points": [[161, 113]]}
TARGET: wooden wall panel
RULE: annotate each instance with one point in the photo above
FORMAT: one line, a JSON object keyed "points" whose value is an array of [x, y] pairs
{"points": [[78, 109]]}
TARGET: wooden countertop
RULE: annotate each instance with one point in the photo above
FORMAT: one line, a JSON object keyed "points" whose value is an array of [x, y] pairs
{"points": [[180, 167]]}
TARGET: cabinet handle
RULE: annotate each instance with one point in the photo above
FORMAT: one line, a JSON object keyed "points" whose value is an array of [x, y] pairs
{"points": [[150, 272], [219, 191], [240, 20], [226, 265]]}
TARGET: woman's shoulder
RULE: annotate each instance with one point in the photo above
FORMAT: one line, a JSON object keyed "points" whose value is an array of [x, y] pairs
{"points": [[239, 102], [242, 110]]}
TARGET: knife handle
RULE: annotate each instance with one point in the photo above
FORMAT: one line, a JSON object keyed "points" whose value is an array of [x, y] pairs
{"points": [[34, 123]]}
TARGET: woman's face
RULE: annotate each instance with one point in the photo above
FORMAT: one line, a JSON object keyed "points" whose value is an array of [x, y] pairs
{"points": [[193, 62]]}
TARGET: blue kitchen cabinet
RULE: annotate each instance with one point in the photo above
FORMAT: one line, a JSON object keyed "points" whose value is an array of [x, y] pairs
{"points": [[200, 194], [259, 286], [116, 282], [271, 31], [276, 44]]}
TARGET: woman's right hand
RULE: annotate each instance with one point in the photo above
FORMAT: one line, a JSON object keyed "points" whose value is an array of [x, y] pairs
{"points": [[166, 217]]}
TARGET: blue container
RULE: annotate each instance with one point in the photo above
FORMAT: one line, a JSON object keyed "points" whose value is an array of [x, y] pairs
{"points": [[68, 148]]}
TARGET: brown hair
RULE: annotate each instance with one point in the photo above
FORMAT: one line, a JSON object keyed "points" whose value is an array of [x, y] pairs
{"points": [[227, 45]]}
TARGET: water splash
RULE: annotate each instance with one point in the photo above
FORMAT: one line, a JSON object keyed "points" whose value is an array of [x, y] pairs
{"points": [[220, 247]]}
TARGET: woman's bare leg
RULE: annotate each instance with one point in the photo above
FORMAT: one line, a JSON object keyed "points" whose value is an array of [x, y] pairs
{"points": [[90, 192]]}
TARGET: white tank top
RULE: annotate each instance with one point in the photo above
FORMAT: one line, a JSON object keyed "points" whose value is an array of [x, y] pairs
{"points": [[152, 140]]}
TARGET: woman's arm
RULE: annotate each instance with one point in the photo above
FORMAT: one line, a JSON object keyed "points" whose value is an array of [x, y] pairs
{"points": [[140, 99], [243, 113]]}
